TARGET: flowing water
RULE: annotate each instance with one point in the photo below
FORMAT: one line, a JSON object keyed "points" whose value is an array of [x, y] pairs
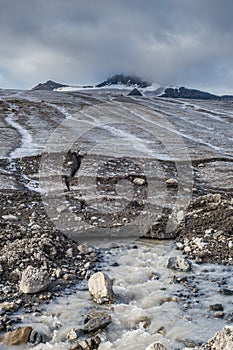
{"points": [[148, 302]]}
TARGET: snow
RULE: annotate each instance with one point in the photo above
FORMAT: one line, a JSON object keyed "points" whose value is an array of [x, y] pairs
{"points": [[26, 139], [154, 89], [202, 124], [107, 87]]}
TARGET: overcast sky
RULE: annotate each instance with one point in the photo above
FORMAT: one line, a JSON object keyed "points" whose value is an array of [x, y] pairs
{"points": [[171, 42]]}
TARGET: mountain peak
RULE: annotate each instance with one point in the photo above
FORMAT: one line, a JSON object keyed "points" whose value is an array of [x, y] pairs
{"points": [[48, 85], [128, 80]]}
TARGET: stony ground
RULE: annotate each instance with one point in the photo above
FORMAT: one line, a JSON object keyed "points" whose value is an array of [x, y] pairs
{"points": [[206, 233], [28, 238]]}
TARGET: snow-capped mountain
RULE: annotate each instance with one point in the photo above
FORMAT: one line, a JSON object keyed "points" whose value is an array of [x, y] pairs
{"points": [[127, 80], [126, 84]]}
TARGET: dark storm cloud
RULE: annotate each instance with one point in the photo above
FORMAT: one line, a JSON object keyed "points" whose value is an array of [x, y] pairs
{"points": [[75, 41]]}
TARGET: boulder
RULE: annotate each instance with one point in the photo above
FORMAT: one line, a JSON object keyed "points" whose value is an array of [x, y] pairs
{"points": [[179, 263], [100, 288], [74, 334], [222, 340], [172, 182], [38, 336], [96, 320], [34, 280], [19, 336], [87, 344]]}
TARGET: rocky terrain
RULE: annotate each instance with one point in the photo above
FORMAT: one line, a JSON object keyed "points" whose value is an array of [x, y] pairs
{"points": [[28, 238], [39, 262], [206, 233], [183, 92]]}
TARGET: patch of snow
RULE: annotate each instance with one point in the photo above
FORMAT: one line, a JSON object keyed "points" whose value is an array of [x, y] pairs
{"points": [[27, 147]]}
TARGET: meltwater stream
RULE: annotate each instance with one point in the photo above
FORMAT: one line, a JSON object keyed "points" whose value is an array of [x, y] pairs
{"points": [[150, 305]]}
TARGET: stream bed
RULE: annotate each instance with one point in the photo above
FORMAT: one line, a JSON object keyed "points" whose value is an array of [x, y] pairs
{"points": [[151, 304]]}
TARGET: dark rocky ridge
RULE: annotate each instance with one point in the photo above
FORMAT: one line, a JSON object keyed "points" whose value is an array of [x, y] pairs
{"points": [[125, 80], [49, 85], [183, 92]]}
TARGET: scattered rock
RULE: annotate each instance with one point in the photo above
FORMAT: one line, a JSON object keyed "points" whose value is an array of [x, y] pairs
{"points": [[172, 183], [73, 334], [179, 263], [226, 291], [156, 346], [34, 280], [219, 314], [216, 307], [139, 181], [100, 288], [69, 253], [222, 340], [179, 245], [9, 217], [8, 306], [37, 337], [229, 317], [206, 231], [6, 290], [19, 336], [96, 320], [87, 344]]}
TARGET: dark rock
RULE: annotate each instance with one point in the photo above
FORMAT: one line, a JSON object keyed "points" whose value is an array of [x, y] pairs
{"points": [[226, 291], [135, 92], [183, 92], [219, 314], [37, 337], [49, 85], [87, 344], [229, 317], [125, 80], [96, 321], [155, 275], [216, 307]]}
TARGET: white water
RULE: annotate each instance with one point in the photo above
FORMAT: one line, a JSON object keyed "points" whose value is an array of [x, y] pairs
{"points": [[141, 299]]}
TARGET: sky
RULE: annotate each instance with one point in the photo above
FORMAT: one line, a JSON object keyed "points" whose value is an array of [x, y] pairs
{"points": [[170, 42]]}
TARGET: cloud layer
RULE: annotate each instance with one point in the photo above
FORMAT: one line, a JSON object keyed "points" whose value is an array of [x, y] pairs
{"points": [[176, 42]]}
